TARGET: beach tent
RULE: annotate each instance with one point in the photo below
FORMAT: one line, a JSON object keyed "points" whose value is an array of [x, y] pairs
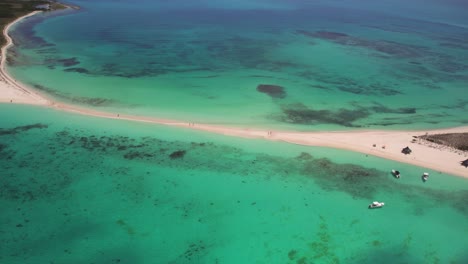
{"points": [[406, 150], [465, 163]]}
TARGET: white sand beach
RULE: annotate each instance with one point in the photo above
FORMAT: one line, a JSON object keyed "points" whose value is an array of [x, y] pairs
{"points": [[388, 144], [10, 90]]}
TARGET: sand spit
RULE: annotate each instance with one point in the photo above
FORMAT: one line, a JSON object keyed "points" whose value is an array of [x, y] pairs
{"points": [[384, 144]]}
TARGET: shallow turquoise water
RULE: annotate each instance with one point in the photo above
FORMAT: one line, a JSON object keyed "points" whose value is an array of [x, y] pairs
{"points": [[341, 65], [77, 189]]}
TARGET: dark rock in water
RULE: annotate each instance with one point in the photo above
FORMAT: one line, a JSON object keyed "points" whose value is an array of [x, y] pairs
{"points": [[177, 154], [275, 91]]}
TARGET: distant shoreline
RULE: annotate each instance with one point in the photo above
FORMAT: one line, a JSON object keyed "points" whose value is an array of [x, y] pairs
{"points": [[384, 144]]}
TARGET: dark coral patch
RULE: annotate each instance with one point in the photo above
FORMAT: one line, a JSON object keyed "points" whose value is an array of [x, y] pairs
{"points": [[20, 129], [137, 155], [6, 153], [274, 91], [78, 70], [194, 251], [373, 89], [323, 34], [300, 114], [328, 81], [177, 154], [68, 62], [403, 110], [292, 254], [390, 48]]}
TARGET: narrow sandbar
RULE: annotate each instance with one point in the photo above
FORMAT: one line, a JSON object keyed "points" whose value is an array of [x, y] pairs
{"points": [[384, 144]]}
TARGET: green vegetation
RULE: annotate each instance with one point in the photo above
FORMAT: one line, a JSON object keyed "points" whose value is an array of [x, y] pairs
{"points": [[11, 9]]}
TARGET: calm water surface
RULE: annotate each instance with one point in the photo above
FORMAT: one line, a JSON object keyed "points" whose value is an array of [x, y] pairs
{"points": [[291, 65], [77, 189]]}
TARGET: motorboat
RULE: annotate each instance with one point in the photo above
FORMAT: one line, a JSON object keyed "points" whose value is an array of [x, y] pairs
{"points": [[396, 174], [376, 204], [425, 176]]}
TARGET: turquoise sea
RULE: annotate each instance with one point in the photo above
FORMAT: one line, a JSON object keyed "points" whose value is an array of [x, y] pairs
{"points": [[79, 189], [304, 65]]}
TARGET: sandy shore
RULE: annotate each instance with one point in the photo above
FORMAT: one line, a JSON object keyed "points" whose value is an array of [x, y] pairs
{"points": [[388, 144], [11, 90]]}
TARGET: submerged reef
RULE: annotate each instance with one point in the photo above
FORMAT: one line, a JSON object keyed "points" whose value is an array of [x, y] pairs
{"points": [[177, 154], [146, 173], [20, 129], [78, 70], [329, 81], [421, 61], [67, 62], [390, 48], [274, 91], [300, 114], [322, 249], [57, 153]]}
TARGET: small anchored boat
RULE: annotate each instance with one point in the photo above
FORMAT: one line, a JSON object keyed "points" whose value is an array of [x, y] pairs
{"points": [[376, 204], [425, 176], [396, 174]]}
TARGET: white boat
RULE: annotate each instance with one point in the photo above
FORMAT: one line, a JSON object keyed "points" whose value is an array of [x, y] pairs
{"points": [[396, 174], [425, 176], [376, 204]]}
